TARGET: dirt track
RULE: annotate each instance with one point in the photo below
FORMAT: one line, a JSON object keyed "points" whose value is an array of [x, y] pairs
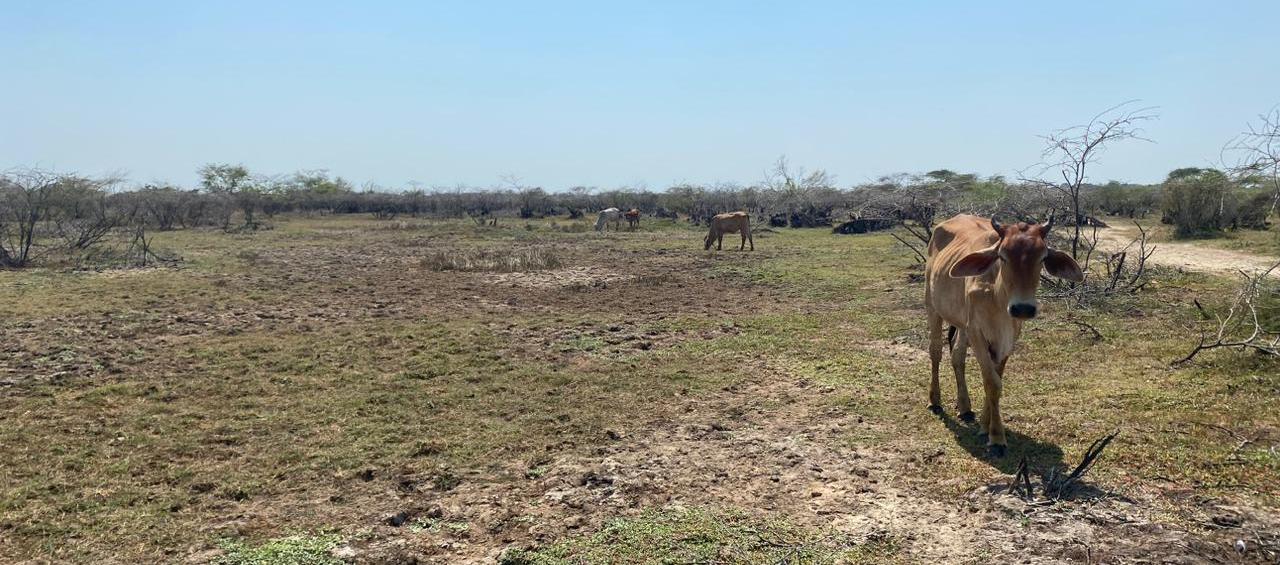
{"points": [[1188, 256]]}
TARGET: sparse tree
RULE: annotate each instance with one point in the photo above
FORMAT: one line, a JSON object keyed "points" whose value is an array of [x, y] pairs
{"points": [[1070, 152], [1194, 200], [798, 192], [234, 182], [1257, 152]]}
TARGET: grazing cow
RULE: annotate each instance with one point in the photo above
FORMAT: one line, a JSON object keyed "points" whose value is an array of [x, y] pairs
{"points": [[728, 223], [981, 279], [633, 219], [609, 215]]}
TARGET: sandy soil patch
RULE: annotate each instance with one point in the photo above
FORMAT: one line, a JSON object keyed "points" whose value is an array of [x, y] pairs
{"points": [[1188, 256]]}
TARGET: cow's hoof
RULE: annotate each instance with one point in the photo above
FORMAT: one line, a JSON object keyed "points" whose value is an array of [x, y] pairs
{"points": [[996, 451], [935, 409], [967, 417]]}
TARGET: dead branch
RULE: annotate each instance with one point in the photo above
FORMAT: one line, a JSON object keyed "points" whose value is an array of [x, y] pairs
{"points": [[920, 257], [1056, 485], [1242, 328], [1097, 335], [1021, 484]]}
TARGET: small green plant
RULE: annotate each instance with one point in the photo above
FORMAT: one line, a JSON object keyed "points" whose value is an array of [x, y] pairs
{"points": [[291, 550]]}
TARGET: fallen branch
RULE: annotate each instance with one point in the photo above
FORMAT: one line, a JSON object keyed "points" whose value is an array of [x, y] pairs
{"points": [[1056, 485], [1097, 335]]}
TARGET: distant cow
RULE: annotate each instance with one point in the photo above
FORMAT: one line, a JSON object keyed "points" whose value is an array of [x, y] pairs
{"points": [[731, 222], [633, 219], [609, 215], [981, 279]]}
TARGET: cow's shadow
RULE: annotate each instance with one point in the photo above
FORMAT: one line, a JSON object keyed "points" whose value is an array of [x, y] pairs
{"points": [[1039, 454]]}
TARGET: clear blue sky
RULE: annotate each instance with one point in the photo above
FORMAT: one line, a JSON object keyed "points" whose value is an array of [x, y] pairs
{"points": [[598, 93]]}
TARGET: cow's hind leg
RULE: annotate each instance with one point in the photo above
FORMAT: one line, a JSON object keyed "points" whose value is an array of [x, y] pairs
{"points": [[959, 350], [935, 358]]}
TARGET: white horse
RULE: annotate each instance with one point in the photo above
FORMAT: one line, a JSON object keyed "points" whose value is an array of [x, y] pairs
{"points": [[609, 215]]}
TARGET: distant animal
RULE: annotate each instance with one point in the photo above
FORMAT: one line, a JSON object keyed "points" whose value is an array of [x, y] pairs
{"points": [[633, 219], [729, 222], [609, 215], [981, 279]]}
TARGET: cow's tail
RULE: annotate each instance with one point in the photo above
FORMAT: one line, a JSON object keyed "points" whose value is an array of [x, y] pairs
{"points": [[951, 338]]}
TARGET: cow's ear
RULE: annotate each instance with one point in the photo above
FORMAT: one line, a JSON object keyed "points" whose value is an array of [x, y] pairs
{"points": [[974, 264], [1061, 265]]}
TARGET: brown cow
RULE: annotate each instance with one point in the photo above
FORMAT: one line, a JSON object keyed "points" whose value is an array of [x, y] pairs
{"points": [[633, 219], [728, 223], [981, 279]]}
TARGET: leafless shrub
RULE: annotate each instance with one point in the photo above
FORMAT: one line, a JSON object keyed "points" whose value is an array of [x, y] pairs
{"points": [[140, 252], [45, 213], [492, 260], [1107, 273], [1251, 320], [26, 197], [81, 215]]}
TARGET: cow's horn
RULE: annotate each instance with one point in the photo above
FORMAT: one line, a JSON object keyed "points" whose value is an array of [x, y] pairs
{"points": [[995, 225], [1045, 227]]}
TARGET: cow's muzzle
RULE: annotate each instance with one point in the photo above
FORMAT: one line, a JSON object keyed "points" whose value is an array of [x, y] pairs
{"points": [[1022, 310]]}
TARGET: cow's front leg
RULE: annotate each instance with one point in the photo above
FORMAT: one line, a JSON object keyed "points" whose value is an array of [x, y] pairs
{"points": [[992, 382], [959, 349]]}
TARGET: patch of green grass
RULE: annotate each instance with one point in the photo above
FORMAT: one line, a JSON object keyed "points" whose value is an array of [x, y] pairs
{"points": [[708, 536], [292, 550]]}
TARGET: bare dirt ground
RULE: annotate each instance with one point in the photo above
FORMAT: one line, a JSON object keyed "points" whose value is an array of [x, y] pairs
{"points": [[768, 445], [1188, 256]]}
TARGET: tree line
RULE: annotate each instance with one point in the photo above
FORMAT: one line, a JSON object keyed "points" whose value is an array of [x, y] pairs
{"points": [[48, 216]]}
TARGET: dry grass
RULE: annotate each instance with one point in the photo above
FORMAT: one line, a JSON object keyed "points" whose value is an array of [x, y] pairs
{"points": [[493, 260], [318, 389]]}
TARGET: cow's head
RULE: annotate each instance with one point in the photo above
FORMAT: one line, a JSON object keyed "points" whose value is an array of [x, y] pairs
{"points": [[1020, 253]]}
